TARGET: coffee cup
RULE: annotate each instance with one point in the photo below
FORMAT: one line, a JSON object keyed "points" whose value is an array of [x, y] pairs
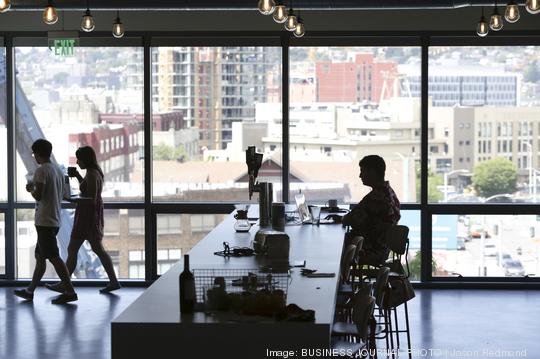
{"points": [[29, 179], [332, 203], [72, 171], [315, 212]]}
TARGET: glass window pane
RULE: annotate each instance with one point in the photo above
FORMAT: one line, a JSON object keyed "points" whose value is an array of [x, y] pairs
{"points": [[136, 224], [121, 246], [346, 103], [486, 245], [162, 254], [411, 219], [209, 105], [3, 132], [83, 100], [484, 113], [26, 245], [169, 224], [195, 227], [2, 244]]}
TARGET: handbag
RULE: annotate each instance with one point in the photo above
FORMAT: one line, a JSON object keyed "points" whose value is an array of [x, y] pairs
{"points": [[398, 291]]}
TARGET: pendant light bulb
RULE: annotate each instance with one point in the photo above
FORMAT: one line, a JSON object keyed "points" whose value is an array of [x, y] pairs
{"points": [[512, 12], [533, 6], [118, 27], [88, 24], [266, 7], [482, 28], [280, 13], [5, 5], [290, 24], [300, 30], [50, 16], [495, 21]]}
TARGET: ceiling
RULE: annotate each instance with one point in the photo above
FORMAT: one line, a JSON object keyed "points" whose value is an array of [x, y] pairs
{"points": [[160, 5]]}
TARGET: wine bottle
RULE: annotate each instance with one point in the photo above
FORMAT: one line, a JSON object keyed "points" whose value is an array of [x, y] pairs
{"points": [[187, 288]]}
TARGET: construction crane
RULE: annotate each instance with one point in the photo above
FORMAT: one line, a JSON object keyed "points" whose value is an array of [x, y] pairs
{"points": [[394, 85]]}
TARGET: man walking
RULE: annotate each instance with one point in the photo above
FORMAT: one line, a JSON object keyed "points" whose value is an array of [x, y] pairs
{"points": [[47, 189]]}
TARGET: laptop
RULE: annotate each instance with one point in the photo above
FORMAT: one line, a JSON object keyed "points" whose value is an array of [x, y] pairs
{"points": [[303, 210]]}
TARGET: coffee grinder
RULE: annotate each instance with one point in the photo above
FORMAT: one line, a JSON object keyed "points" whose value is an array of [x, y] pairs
{"points": [[254, 162]]}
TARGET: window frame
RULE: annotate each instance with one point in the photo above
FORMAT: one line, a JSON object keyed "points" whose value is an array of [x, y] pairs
{"points": [[151, 209]]}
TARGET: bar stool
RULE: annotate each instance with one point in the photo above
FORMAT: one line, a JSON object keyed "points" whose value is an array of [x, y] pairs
{"points": [[397, 238], [357, 330], [345, 289], [377, 329]]}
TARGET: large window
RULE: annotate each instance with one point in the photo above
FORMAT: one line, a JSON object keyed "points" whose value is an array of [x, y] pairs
{"points": [[94, 98], [346, 103], [209, 105], [484, 104]]}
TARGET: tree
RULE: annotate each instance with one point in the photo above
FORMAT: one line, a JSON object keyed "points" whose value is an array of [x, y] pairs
{"points": [[434, 180], [416, 263], [163, 152], [532, 72], [495, 176], [61, 78]]}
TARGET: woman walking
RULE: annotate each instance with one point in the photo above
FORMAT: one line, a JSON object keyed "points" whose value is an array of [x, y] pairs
{"points": [[88, 222]]}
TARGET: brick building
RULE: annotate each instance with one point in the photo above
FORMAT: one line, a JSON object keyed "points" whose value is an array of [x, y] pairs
{"points": [[365, 79]]}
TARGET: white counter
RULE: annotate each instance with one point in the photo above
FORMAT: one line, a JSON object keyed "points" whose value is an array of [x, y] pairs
{"points": [[152, 327]]}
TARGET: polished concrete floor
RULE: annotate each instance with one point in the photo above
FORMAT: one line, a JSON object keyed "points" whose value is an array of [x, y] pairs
{"points": [[444, 324], [41, 330]]}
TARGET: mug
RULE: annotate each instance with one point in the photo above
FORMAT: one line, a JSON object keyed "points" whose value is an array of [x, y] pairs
{"points": [[72, 171], [30, 179], [332, 203]]}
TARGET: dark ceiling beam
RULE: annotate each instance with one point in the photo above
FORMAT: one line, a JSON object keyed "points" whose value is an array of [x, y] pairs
{"points": [[197, 5]]}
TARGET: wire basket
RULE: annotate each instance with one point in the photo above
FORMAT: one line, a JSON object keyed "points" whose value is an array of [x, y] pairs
{"points": [[248, 291]]}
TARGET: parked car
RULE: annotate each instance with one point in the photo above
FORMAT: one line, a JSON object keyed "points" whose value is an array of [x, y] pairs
{"points": [[490, 250], [477, 233], [514, 268], [503, 198], [500, 198], [505, 257], [460, 243], [463, 198]]}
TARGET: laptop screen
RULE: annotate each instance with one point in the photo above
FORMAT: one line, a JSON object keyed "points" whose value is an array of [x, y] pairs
{"points": [[302, 208]]}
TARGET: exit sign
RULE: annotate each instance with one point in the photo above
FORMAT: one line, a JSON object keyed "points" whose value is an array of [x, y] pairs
{"points": [[63, 43]]}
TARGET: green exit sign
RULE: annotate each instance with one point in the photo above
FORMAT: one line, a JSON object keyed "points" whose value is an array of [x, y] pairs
{"points": [[63, 43], [64, 47]]}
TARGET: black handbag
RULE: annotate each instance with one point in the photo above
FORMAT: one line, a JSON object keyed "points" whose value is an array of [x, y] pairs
{"points": [[398, 291]]}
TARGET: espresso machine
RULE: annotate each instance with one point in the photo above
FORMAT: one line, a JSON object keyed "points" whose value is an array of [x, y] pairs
{"points": [[254, 162], [272, 244]]}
